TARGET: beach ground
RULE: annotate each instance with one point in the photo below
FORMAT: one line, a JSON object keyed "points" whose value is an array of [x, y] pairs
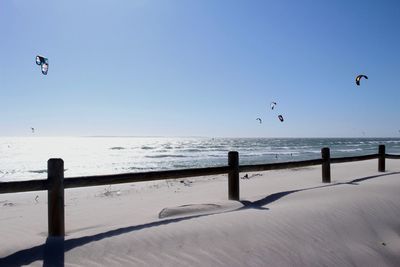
{"points": [[284, 218]]}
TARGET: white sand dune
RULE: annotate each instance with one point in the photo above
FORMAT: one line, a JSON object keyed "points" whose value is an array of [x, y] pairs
{"points": [[284, 218]]}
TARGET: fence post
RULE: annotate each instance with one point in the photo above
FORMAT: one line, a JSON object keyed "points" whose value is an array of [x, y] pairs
{"points": [[326, 165], [233, 175], [55, 197], [381, 158]]}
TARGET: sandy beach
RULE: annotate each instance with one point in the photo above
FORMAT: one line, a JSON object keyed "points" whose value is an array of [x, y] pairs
{"points": [[284, 218]]}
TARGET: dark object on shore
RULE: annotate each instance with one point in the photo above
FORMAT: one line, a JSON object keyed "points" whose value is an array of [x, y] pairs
{"points": [[246, 176], [43, 63], [280, 118], [186, 182], [358, 78], [259, 120], [33, 130]]}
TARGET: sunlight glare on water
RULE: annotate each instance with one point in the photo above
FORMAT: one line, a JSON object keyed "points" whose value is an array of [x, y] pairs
{"points": [[26, 158]]}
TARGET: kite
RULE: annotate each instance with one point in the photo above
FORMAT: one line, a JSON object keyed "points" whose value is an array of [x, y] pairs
{"points": [[259, 120], [280, 118], [273, 104], [43, 63], [358, 78]]}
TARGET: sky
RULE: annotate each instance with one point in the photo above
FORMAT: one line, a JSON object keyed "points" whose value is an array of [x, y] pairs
{"points": [[200, 68]]}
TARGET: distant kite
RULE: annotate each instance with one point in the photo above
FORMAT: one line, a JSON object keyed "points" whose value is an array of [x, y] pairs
{"points": [[259, 120], [43, 63], [358, 78], [273, 104], [280, 117], [33, 130]]}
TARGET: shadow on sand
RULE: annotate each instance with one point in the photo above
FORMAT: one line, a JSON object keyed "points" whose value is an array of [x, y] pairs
{"points": [[52, 251]]}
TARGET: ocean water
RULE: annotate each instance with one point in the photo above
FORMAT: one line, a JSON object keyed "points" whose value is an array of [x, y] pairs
{"points": [[25, 158]]}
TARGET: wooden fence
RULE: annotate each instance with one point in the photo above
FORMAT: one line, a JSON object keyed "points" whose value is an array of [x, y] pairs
{"points": [[55, 183]]}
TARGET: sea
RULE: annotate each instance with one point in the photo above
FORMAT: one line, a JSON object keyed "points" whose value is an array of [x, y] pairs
{"points": [[25, 158]]}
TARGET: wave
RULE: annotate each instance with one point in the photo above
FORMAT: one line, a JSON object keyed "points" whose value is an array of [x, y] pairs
{"points": [[166, 156], [312, 151], [139, 168], [217, 156], [349, 149], [192, 150], [147, 147], [180, 166]]}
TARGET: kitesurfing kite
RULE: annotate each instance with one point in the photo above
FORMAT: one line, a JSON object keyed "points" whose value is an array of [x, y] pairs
{"points": [[273, 104], [358, 78], [43, 63], [280, 117], [259, 120]]}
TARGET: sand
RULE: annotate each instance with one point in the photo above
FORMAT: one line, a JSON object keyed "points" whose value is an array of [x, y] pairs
{"points": [[284, 218]]}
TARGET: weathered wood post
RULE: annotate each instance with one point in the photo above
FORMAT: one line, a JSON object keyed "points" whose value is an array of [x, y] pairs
{"points": [[326, 165], [381, 158], [233, 175], [55, 197]]}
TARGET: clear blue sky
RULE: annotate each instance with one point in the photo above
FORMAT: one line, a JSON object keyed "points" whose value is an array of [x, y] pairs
{"points": [[200, 68]]}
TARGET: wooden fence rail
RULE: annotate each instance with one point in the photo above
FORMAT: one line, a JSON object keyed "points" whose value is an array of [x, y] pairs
{"points": [[388, 156], [356, 158], [279, 165], [23, 186], [141, 176], [55, 183]]}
